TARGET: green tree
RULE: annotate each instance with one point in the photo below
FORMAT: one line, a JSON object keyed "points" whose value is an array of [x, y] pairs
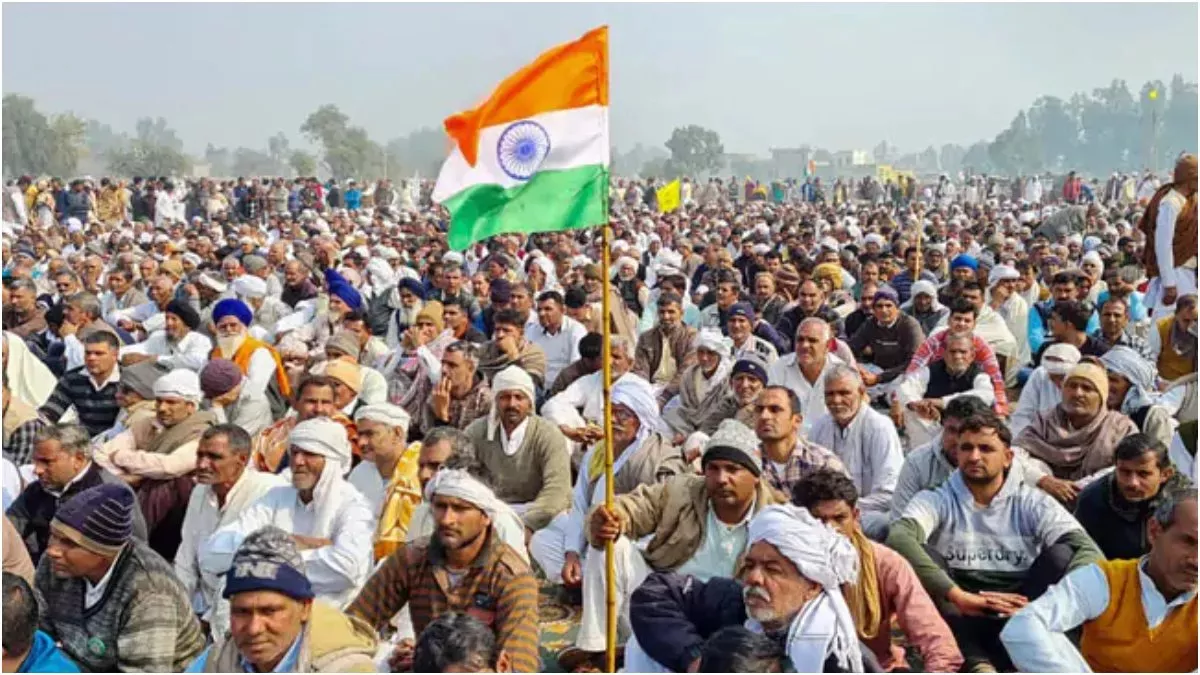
{"points": [[1177, 124], [422, 151], [695, 151], [155, 151], [37, 145], [278, 148], [303, 163], [1015, 150], [348, 151], [1055, 129]]}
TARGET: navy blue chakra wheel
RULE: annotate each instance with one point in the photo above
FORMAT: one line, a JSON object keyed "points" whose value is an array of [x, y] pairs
{"points": [[522, 148]]}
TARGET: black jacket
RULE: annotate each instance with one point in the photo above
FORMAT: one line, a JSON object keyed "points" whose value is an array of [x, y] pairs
{"points": [[1117, 525], [34, 508], [672, 616], [790, 321]]}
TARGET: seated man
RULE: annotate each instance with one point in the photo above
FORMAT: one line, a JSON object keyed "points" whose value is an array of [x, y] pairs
{"points": [[578, 410], [330, 521], [743, 327], [1114, 328], [509, 347], [747, 379], [222, 383], [462, 395], [962, 322], [804, 370], [787, 455], [526, 455], [276, 623], [642, 455], [663, 352], [865, 440], [494, 583], [157, 460], [1116, 508], [27, 649], [923, 306], [1173, 340], [387, 476], [788, 586], [928, 466], [887, 590], [62, 462], [556, 334], [226, 484], [1077, 437], [459, 643], [1133, 392], [923, 395], [697, 525], [177, 345], [886, 341], [737, 649], [314, 398], [591, 348], [992, 327], [1068, 325], [1120, 632], [258, 361], [1043, 389], [705, 396], [983, 543], [90, 390], [143, 619]]}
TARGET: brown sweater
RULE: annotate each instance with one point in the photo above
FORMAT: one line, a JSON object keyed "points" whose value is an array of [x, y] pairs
{"points": [[538, 474]]}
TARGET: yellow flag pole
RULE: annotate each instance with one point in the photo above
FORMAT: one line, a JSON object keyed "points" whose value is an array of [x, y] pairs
{"points": [[610, 586]]}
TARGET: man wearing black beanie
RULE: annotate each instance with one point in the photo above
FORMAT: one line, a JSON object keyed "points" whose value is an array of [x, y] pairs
{"points": [[177, 345]]}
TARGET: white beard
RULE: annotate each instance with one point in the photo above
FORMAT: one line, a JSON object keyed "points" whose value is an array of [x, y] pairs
{"points": [[230, 345]]}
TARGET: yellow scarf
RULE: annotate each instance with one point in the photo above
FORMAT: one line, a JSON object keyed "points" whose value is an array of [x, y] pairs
{"points": [[863, 597], [401, 498]]}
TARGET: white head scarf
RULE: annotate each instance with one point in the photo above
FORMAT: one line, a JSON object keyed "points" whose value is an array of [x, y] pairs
{"points": [[459, 484], [1141, 375], [509, 379], [28, 378], [180, 383], [926, 287], [322, 436], [824, 626], [384, 413]]}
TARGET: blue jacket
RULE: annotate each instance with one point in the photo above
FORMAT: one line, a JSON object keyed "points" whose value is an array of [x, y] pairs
{"points": [[353, 199], [1039, 324], [45, 657]]}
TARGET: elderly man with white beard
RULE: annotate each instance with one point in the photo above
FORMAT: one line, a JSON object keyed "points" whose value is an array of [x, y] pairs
{"points": [[867, 443], [177, 345], [258, 361], [922, 395], [642, 455], [788, 586], [330, 521], [579, 409]]}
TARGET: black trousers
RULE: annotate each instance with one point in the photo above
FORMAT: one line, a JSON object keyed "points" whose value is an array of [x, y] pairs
{"points": [[979, 636]]}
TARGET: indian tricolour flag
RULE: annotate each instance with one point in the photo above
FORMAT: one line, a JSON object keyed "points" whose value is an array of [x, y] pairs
{"points": [[534, 156]]}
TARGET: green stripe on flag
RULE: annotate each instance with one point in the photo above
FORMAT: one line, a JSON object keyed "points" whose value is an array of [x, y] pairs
{"points": [[551, 201]]}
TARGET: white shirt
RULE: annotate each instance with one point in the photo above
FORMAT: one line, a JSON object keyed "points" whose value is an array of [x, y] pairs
{"points": [[562, 348], [1184, 461], [586, 393], [718, 553], [1169, 209], [259, 373], [366, 479], [511, 444], [786, 373], [870, 448], [1035, 636], [336, 571], [191, 352], [92, 594], [204, 516]]}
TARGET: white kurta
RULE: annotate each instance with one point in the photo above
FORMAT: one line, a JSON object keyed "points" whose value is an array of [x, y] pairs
{"points": [[812, 394], [336, 571], [191, 352], [204, 517]]}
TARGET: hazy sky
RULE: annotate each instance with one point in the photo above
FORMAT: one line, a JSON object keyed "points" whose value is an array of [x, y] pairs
{"points": [[837, 76]]}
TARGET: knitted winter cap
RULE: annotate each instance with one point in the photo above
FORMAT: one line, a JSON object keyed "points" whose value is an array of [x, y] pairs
{"points": [[751, 364], [734, 442], [99, 519], [268, 560], [345, 342]]}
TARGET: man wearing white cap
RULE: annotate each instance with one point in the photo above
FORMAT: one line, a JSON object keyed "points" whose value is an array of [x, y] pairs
{"points": [[526, 454], [158, 460], [788, 586], [1002, 296], [267, 309], [387, 477], [330, 521]]}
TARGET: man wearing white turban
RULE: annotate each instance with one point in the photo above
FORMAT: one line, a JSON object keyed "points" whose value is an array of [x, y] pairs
{"points": [[387, 477], [330, 521], [642, 455], [788, 586], [526, 454]]}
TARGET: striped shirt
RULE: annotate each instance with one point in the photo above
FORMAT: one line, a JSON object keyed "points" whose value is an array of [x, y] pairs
{"points": [[498, 589], [96, 403]]}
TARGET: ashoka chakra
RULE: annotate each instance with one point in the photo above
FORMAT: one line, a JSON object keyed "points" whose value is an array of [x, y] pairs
{"points": [[522, 148]]}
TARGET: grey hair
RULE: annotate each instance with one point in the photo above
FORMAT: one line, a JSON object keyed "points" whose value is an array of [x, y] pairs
{"points": [[72, 437], [843, 371], [24, 285], [622, 342], [815, 320], [254, 263], [85, 302], [469, 350], [460, 444], [1168, 504]]}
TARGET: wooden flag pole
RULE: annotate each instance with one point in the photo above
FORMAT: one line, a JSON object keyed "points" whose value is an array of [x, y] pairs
{"points": [[610, 586]]}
